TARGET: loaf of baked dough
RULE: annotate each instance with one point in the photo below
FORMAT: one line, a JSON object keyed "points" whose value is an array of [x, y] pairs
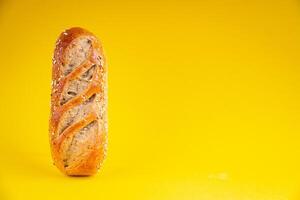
{"points": [[78, 119]]}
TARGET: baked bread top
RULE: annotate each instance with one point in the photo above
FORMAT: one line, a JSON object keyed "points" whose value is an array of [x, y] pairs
{"points": [[78, 122]]}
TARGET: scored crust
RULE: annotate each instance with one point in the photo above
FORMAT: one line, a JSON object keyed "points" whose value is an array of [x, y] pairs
{"points": [[78, 121]]}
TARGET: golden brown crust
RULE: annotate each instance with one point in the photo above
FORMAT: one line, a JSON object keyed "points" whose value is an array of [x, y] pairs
{"points": [[97, 85]]}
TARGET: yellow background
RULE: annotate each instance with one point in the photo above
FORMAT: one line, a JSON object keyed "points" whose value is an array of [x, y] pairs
{"points": [[203, 99]]}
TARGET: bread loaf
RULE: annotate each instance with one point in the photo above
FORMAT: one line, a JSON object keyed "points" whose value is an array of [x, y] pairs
{"points": [[78, 121]]}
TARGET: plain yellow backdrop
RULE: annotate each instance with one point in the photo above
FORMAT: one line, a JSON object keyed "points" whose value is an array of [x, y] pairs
{"points": [[203, 99]]}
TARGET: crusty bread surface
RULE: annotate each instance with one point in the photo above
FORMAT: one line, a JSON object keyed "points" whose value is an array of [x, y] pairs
{"points": [[78, 119]]}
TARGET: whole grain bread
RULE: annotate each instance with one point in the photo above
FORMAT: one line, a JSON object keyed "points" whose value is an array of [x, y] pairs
{"points": [[78, 121]]}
